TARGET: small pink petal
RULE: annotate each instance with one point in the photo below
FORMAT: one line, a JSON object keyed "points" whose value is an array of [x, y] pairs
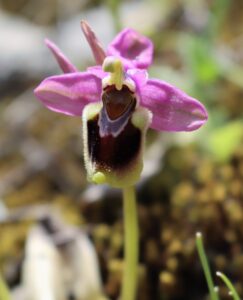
{"points": [[63, 61], [135, 50], [95, 45], [69, 93], [140, 77], [173, 110]]}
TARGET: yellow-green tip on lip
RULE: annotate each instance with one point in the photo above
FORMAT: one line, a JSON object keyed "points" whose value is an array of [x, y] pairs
{"points": [[99, 178]]}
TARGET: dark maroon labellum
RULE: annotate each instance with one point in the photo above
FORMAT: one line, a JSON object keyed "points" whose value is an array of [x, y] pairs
{"points": [[113, 153], [113, 141]]}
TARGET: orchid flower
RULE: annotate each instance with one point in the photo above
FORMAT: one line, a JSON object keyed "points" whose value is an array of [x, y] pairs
{"points": [[118, 102]]}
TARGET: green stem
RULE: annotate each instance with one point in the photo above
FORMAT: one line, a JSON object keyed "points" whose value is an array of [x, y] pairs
{"points": [[130, 271], [205, 265], [114, 6], [4, 292], [229, 285]]}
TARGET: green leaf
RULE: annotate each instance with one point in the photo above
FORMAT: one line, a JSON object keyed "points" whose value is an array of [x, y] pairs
{"points": [[230, 286], [205, 265]]}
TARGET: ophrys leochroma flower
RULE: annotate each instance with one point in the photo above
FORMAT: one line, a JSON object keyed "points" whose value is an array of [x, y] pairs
{"points": [[118, 102]]}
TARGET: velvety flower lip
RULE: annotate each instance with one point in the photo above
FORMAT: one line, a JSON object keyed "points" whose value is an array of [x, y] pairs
{"points": [[134, 49]]}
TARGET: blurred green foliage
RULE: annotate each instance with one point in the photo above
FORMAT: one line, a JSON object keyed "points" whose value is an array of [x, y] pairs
{"points": [[224, 140]]}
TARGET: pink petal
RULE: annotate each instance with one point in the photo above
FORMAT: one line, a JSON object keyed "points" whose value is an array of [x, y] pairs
{"points": [[62, 60], [134, 49], [97, 71], [173, 110], [69, 93], [95, 45], [140, 77]]}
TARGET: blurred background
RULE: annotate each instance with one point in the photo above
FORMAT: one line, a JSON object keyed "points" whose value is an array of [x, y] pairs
{"points": [[63, 236]]}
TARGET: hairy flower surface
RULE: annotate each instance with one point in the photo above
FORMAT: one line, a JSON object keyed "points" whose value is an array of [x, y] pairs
{"points": [[118, 102]]}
